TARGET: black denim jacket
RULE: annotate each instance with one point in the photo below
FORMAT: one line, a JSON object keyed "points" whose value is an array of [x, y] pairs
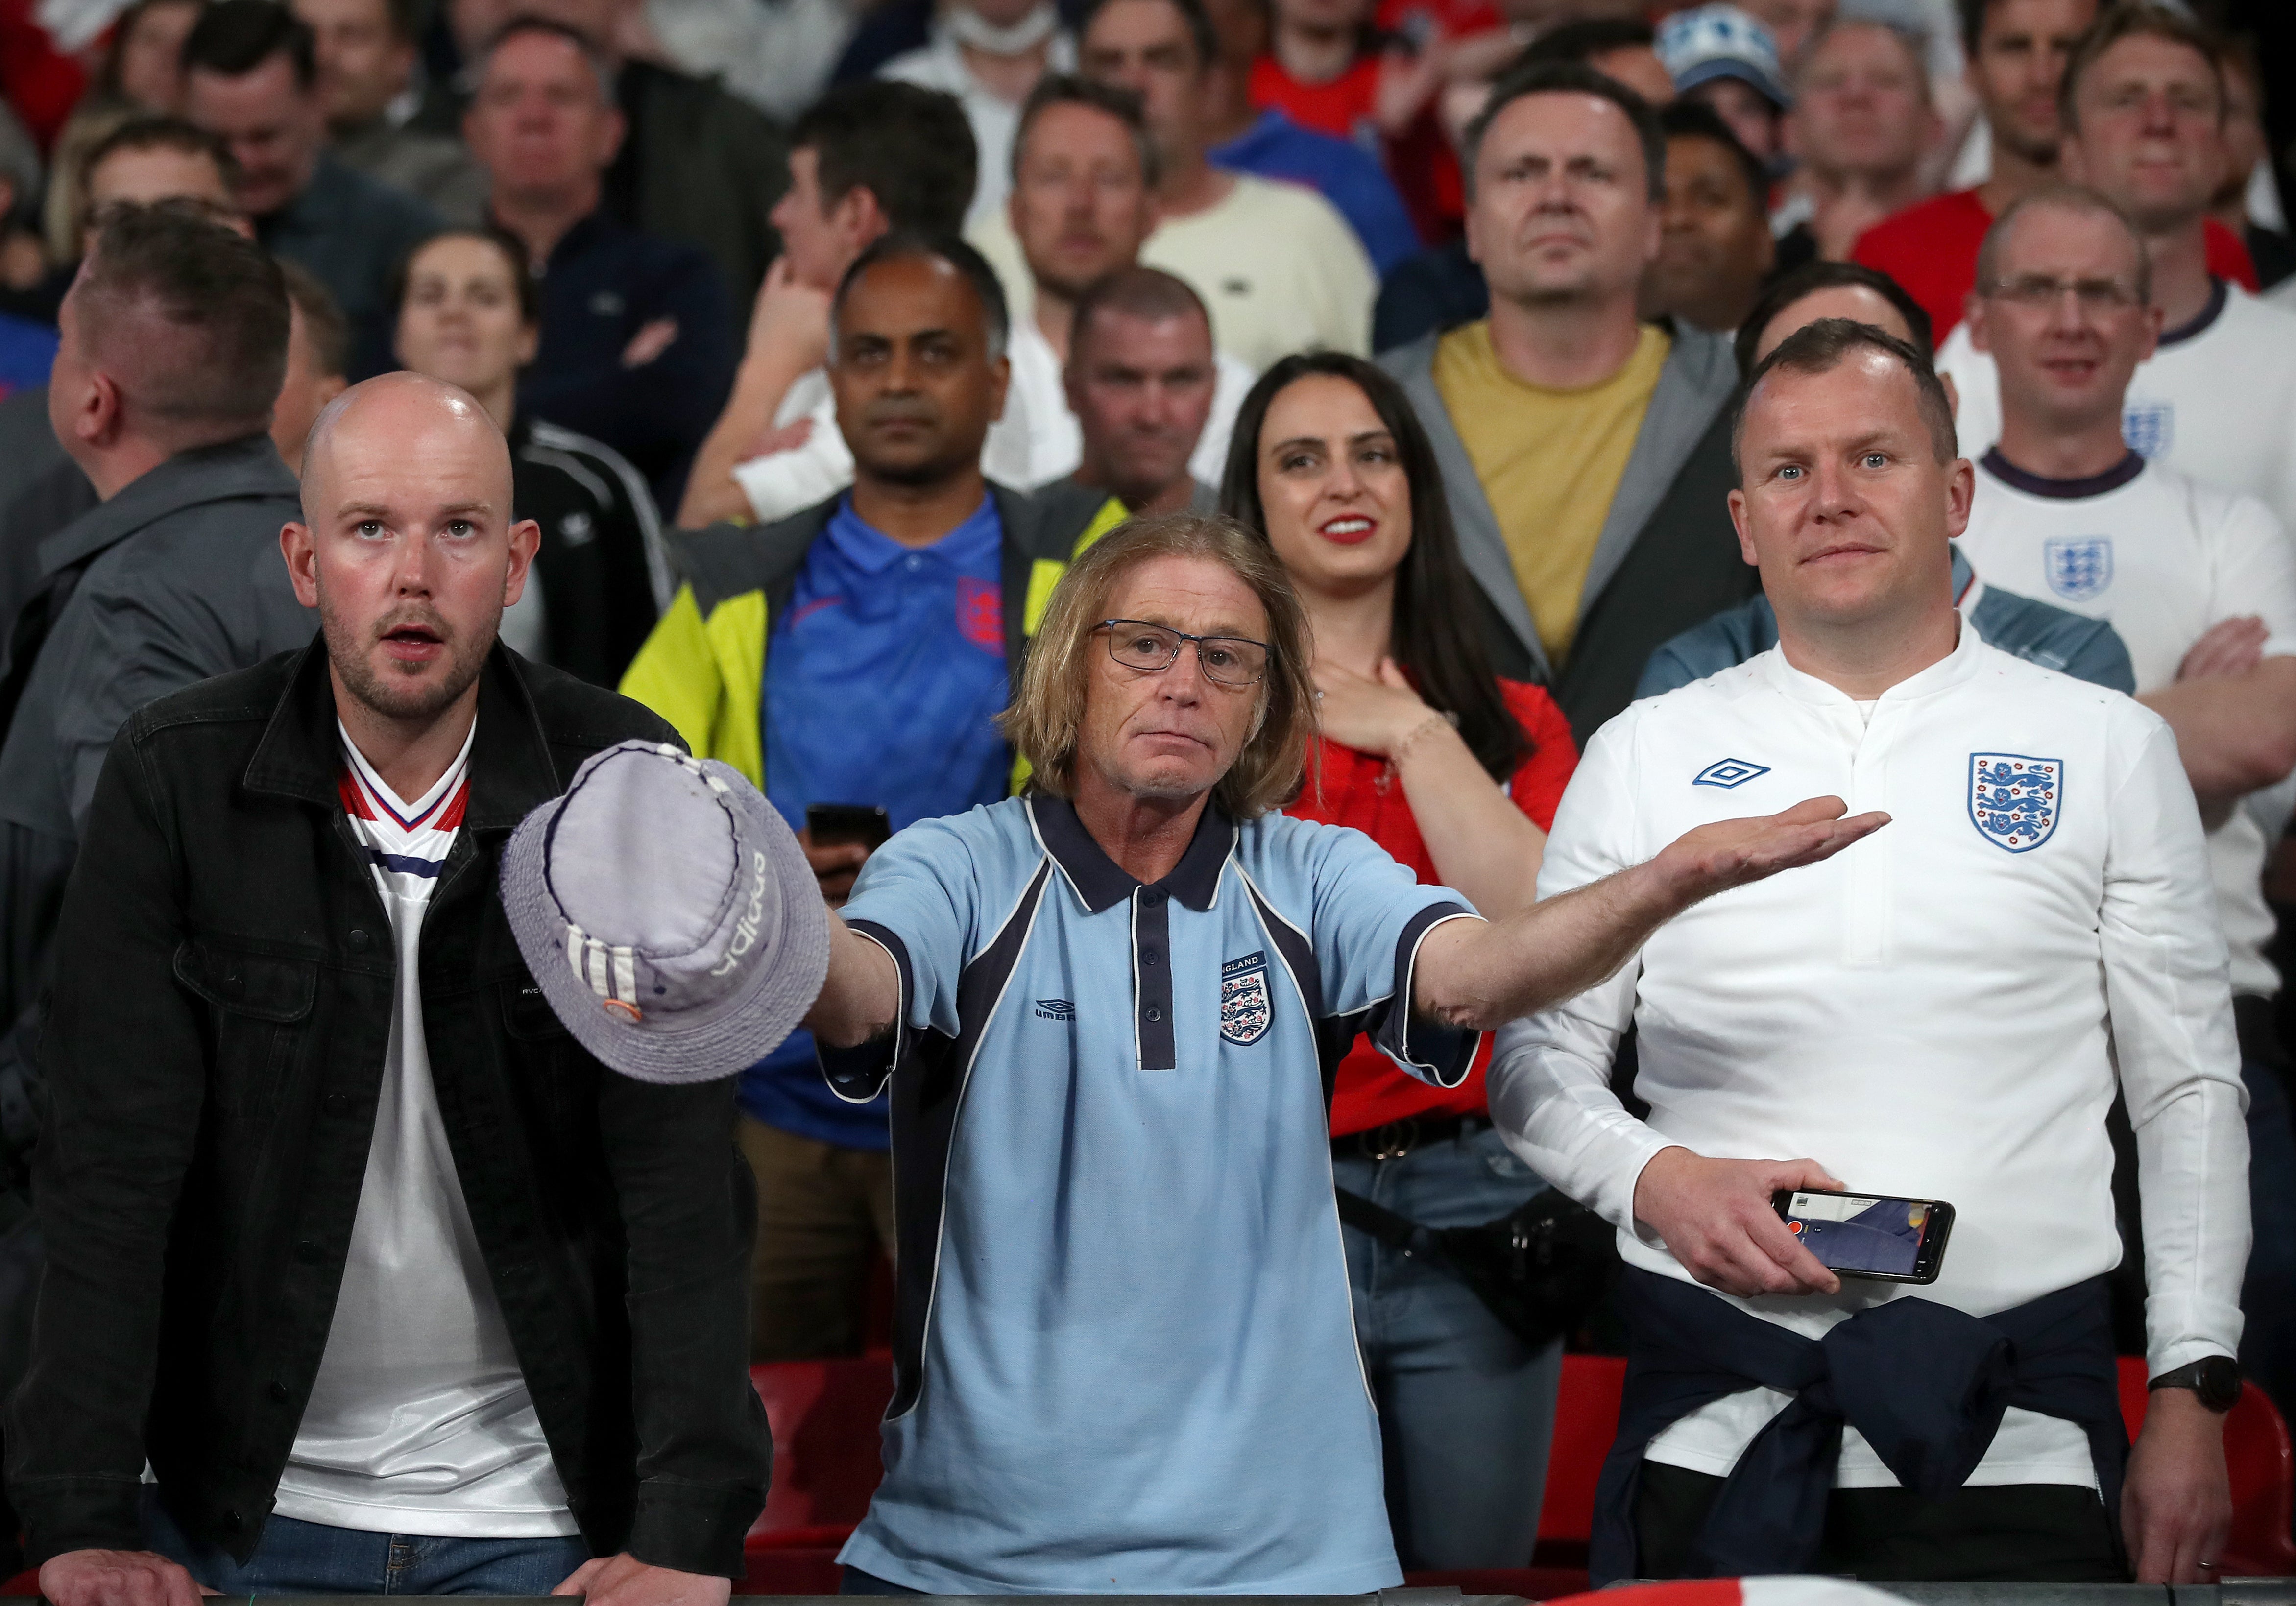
{"points": [[213, 1060]]}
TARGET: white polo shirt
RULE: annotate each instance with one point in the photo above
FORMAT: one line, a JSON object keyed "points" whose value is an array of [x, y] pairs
{"points": [[2163, 558], [1935, 1012], [2217, 401]]}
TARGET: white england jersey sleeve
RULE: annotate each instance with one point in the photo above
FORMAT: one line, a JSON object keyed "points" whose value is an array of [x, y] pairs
{"points": [[1935, 1012], [2217, 401], [2164, 558]]}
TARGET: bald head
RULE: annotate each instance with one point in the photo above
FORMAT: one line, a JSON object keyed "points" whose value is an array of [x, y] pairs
{"points": [[390, 414], [407, 546]]}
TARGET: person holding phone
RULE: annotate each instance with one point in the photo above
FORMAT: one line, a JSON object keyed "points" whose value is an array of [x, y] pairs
{"points": [[1455, 773], [880, 629], [1939, 1017]]}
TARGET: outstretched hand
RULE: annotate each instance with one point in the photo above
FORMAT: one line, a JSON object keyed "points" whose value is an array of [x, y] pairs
{"points": [[1731, 852]]}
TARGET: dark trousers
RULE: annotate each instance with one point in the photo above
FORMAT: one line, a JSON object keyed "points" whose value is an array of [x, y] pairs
{"points": [[2023, 1533]]}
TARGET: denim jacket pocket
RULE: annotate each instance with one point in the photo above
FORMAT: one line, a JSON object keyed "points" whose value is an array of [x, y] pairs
{"points": [[261, 1006]]}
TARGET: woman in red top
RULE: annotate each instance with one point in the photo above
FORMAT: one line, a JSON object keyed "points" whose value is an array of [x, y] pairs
{"points": [[1456, 774]]}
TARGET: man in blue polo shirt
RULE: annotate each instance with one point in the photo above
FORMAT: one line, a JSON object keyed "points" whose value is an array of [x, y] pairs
{"points": [[1125, 1361], [877, 631]]}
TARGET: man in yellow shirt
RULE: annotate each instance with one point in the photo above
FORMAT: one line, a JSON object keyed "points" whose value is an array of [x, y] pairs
{"points": [[1585, 455]]}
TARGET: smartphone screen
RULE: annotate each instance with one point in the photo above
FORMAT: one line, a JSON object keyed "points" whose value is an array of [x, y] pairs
{"points": [[1869, 1234]]}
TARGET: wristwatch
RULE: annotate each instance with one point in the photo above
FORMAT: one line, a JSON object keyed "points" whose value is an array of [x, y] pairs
{"points": [[2216, 1378]]}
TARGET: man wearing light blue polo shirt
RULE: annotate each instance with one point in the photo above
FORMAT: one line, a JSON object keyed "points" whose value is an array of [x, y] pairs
{"points": [[1125, 1357]]}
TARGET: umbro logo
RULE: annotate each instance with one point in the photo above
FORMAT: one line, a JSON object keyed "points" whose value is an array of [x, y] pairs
{"points": [[1055, 1009], [1727, 773]]}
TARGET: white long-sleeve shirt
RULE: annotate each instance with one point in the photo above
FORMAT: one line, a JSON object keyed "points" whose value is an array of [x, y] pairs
{"points": [[1934, 1013]]}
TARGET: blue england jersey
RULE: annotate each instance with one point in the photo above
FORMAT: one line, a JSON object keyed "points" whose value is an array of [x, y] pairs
{"points": [[1126, 1359]]}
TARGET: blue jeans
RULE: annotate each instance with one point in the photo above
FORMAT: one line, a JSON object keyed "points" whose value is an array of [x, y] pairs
{"points": [[310, 1558], [1467, 1410], [2268, 1344]]}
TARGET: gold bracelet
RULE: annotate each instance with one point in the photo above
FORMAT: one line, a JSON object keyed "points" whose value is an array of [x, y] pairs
{"points": [[1434, 721]]}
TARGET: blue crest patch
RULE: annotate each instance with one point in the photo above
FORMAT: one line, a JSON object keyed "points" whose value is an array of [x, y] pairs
{"points": [[2149, 427], [2014, 800], [1727, 773], [2079, 567], [1245, 1009]]}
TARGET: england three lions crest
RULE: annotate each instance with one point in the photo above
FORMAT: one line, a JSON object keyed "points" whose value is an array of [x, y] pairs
{"points": [[2079, 567], [2015, 801], [1245, 1009]]}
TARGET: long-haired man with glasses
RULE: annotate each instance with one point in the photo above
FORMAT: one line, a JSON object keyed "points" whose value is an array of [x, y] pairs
{"points": [[2199, 581], [1125, 1361]]}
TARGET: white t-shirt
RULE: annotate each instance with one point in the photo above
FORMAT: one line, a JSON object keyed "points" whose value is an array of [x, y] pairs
{"points": [[1279, 270], [419, 1422], [2217, 401], [2163, 558], [1937, 1011], [1057, 442]]}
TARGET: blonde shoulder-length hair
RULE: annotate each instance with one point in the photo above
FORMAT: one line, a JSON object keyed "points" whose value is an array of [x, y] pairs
{"points": [[1048, 711]]}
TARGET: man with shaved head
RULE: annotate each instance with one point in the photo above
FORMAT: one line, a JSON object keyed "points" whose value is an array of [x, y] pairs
{"points": [[349, 1240]]}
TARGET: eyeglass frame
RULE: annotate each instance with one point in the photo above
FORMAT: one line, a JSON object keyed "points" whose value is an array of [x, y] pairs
{"points": [[1184, 639], [2124, 298]]}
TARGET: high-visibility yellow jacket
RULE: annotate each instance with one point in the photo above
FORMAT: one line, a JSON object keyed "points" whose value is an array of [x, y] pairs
{"points": [[703, 668]]}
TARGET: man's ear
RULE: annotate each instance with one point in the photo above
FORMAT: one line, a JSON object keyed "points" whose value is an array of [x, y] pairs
{"points": [[611, 137], [1739, 522], [1000, 386], [525, 540], [97, 413], [859, 220], [1972, 312], [301, 548]]}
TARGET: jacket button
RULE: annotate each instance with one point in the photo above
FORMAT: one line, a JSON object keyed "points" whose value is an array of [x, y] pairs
{"points": [[279, 1392], [231, 1521], [308, 1251], [1155, 1014], [358, 941]]}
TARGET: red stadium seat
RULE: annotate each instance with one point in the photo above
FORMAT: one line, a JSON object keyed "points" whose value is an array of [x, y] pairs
{"points": [[825, 1417]]}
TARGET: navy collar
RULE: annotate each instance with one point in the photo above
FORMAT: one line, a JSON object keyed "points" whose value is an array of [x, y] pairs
{"points": [[2062, 490], [2198, 323], [1102, 883]]}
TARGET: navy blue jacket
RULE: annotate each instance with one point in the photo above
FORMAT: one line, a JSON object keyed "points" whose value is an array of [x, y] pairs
{"points": [[603, 284]]}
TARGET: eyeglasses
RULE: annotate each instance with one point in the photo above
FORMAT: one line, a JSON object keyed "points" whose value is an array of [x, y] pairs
{"points": [[2096, 297], [1227, 660]]}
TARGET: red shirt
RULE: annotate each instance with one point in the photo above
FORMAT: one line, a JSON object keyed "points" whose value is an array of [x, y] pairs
{"points": [[1370, 1090], [1930, 250], [1341, 108]]}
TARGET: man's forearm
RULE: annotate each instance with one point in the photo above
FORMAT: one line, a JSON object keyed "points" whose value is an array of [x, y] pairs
{"points": [[2234, 733], [1481, 976], [759, 389], [861, 995]]}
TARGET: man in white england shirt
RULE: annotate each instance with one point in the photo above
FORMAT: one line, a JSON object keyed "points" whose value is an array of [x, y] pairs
{"points": [[2143, 105], [1940, 1016], [2198, 581]]}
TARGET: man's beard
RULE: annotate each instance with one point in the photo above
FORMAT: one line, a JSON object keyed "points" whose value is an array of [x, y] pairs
{"points": [[413, 697]]}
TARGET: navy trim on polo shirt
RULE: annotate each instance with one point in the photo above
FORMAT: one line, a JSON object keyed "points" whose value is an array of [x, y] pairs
{"points": [[2130, 465]]}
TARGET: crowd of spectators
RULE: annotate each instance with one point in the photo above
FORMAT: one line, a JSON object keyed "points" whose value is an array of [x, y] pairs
{"points": [[825, 334]]}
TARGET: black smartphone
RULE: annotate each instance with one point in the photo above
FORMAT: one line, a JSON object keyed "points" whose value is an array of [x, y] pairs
{"points": [[833, 824], [1869, 1234]]}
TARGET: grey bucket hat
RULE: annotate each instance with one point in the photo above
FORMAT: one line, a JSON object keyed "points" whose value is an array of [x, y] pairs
{"points": [[668, 914]]}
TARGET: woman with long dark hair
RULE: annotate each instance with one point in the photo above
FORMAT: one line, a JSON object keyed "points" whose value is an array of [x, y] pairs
{"points": [[1456, 774]]}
